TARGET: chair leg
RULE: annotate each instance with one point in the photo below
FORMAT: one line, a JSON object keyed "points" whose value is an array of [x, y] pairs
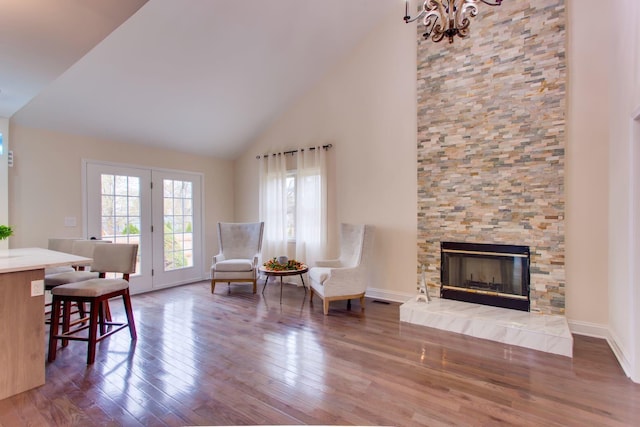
{"points": [[362, 302], [255, 285], [126, 297], [213, 285], [325, 306], [53, 330], [93, 330]]}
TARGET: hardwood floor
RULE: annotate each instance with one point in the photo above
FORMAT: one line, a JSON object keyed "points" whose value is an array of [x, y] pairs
{"points": [[243, 359]]}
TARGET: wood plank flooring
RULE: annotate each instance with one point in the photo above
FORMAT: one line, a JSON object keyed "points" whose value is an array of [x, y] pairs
{"points": [[244, 359]]}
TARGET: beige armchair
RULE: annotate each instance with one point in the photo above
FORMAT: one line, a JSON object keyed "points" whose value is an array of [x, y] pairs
{"points": [[346, 277], [239, 258]]}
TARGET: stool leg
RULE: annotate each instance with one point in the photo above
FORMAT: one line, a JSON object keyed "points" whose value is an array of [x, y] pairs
{"points": [[81, 312], [107, 310], [127, 308], [66, 319], [47, 306], [53, 330], [101, 318], [93, 330]]}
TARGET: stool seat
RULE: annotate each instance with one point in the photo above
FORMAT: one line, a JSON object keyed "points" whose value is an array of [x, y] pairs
{"points": [[91, 288], [55, 280]]}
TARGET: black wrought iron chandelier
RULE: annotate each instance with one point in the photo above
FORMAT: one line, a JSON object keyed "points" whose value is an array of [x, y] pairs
{"points": [[448, 18]]}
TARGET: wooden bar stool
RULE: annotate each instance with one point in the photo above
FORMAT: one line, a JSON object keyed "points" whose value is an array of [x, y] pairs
{"points": [[55, 278], [112, 258]]}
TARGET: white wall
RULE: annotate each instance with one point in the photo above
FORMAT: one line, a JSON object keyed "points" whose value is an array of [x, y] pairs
{"points": [[46, 183], [586, 174], [624, 250], [366, 108], [4, 179]]}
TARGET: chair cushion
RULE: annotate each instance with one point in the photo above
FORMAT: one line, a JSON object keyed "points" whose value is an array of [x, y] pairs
{"points": [[319, 274], [91, 288], [234, 265], [68, 277]]}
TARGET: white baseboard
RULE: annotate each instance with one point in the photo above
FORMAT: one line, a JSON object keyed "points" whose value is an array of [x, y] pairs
{"points": [[588, 329], [602, 331], [620, 353]]}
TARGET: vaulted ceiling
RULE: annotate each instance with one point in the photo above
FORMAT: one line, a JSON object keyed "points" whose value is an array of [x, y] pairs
{"points": [[200, 76]]}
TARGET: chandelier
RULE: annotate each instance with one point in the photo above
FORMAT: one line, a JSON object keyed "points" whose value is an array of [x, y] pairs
{"points": [[448, 18]]}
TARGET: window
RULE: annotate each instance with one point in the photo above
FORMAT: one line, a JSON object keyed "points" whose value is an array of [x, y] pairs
{"points": [[120, 208], [178, 224]]}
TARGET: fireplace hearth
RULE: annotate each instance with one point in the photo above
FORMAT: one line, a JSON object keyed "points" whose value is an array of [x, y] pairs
{"points": [[489, 274]]}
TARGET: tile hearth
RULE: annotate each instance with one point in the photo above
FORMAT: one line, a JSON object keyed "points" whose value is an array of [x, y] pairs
{"points": [[543, 332]]}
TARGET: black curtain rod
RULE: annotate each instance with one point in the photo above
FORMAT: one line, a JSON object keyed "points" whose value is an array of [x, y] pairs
{"points": [[326, 147]]}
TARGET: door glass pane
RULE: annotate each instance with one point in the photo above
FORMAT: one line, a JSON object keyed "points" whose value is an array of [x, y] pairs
{"points": [[121, 210], [178, 224]]}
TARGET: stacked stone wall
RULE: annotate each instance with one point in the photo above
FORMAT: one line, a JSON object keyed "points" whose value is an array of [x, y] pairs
{"points": [[491, 141]]}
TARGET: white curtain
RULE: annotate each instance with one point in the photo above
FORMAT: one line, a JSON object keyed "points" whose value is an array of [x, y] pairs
{"points": [[273, 205], [311, 205]]}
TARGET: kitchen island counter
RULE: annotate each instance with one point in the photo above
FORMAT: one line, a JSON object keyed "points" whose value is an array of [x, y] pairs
{"points": [[22, 315]]}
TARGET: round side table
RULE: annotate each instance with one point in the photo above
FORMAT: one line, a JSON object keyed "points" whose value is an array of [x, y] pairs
{"points": [[281, 273]]}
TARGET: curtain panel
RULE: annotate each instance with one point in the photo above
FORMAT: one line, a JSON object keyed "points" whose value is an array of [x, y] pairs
{"points": [[273, 205], [311, 204]]}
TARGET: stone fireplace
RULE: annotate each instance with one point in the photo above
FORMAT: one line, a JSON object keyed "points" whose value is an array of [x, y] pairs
{"points": [[491, 138]]}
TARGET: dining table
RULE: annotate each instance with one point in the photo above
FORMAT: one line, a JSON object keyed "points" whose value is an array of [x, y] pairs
{"points": [[22, 334]]}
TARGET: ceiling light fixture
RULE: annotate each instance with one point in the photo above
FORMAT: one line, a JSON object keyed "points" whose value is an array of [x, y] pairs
{"points": [[447, 17]]}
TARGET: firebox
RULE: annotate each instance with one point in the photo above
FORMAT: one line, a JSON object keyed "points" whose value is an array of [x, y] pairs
{"points": [[490, 274]]}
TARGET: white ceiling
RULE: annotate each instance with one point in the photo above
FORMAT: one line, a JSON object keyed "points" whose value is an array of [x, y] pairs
{"points": [[200, 76], [40, 39]]}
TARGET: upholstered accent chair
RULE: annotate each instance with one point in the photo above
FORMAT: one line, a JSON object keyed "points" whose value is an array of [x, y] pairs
{"points": [[345, 278], [239, 258], [113, 258]]}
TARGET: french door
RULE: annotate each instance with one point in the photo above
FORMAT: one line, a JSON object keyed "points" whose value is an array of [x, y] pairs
{"points": [[159, 210]]}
